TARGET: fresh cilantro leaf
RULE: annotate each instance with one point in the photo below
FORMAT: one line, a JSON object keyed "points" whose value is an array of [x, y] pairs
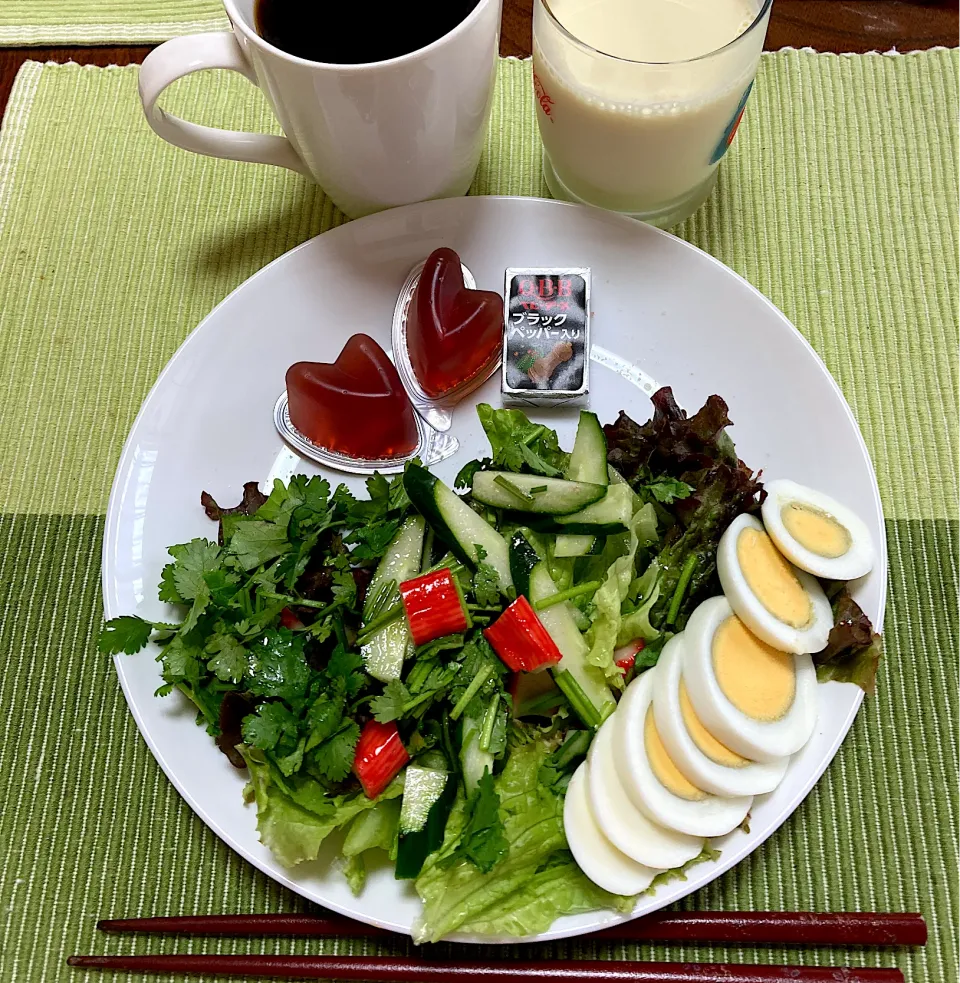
{"points": [[389, 493], [127, 634], [228, 660], [255, 542], [271, 725], [167, 590], [181, 662], [191, 561], [666, 489], [372, 540], [333, 759], [289, 763], [483, 841], [343, 502], [344, 588], [388, 497], [346, 668], [223, 586], [321, 629], [293, 565], [390, 703], [486, 582], [302, 507], [200, 604], [279, 504], [378, 487], [278, 667], [323, 718], [314, 495]]}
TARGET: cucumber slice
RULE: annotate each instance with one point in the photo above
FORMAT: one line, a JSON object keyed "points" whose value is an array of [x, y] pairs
{"points": [[571, 545], [384, 654], [560, 624], [400, 562], [421, 788], [523, 558], [427, 800], [613, 512], [456, 523], [473, 761], [534, 493], [588, 460]]}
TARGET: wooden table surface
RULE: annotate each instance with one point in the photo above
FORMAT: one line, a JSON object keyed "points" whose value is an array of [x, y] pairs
{"points": [[827, 25]]}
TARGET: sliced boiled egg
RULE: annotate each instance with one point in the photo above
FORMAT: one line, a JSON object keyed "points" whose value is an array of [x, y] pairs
{"points": [[623, 824], [703, 759], [785, 607], [816, 533], [758, 701], [651, 778], [596, 856]]}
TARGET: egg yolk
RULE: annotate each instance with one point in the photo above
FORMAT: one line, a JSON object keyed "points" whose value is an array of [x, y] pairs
{"points": [[665, 771], [756, 678], [815, 530], [704, 740], [772, 579]]}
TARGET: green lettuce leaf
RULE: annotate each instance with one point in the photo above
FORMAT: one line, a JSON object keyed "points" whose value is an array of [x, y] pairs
{"points": [[533, 826], [295, 815], [519, 895], [559, 889], [637, 623], [355, 871], [374, 829], [611, 594]]}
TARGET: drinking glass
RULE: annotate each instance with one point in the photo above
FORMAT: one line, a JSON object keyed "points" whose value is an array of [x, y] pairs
{"points": [[642, 138]]}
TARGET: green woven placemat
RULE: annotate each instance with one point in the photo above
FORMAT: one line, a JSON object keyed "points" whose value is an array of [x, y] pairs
{"points": [[36, 22], [838, 200]]}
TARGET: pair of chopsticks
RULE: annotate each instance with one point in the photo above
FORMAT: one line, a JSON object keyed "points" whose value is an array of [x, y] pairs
{"points": [[737, 927]]}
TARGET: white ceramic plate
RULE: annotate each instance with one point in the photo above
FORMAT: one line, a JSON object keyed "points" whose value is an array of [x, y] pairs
{"points": [[660, 306]]}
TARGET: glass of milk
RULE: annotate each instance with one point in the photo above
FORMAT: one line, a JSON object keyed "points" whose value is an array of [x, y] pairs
{"points": [[637, 100]]}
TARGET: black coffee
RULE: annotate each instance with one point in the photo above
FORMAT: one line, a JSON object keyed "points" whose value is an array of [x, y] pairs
{"points": [[344, 34]]}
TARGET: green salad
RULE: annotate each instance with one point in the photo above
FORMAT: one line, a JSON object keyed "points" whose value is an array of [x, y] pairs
{"points": [[423, 669]]}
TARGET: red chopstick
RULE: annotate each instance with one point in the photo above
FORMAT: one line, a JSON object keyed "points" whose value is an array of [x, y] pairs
{"points": [[743, 927], [388, 969]]}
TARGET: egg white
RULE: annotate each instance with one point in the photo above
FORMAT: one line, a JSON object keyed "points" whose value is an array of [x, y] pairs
{"points": [[750, 609], [596, 856], [759, 740], [856, 562], [709, 816], [754, 778], [624, 825]]}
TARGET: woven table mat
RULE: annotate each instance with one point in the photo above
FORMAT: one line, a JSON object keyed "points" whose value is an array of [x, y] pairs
{"points": [[838, 201], [49, 22]]}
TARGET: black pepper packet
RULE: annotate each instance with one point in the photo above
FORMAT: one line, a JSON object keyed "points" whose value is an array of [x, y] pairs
{"points": [[546, 336]]}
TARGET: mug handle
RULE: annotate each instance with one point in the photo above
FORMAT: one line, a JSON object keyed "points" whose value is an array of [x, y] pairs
{"points": [[193, 53]]}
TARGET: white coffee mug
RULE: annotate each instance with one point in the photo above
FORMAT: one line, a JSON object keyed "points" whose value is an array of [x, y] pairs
{"points": [[372, 135]]}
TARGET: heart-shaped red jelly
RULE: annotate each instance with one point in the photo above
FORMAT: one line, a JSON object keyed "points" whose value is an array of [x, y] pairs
{"points": [[453, 333], [356, 406]]}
